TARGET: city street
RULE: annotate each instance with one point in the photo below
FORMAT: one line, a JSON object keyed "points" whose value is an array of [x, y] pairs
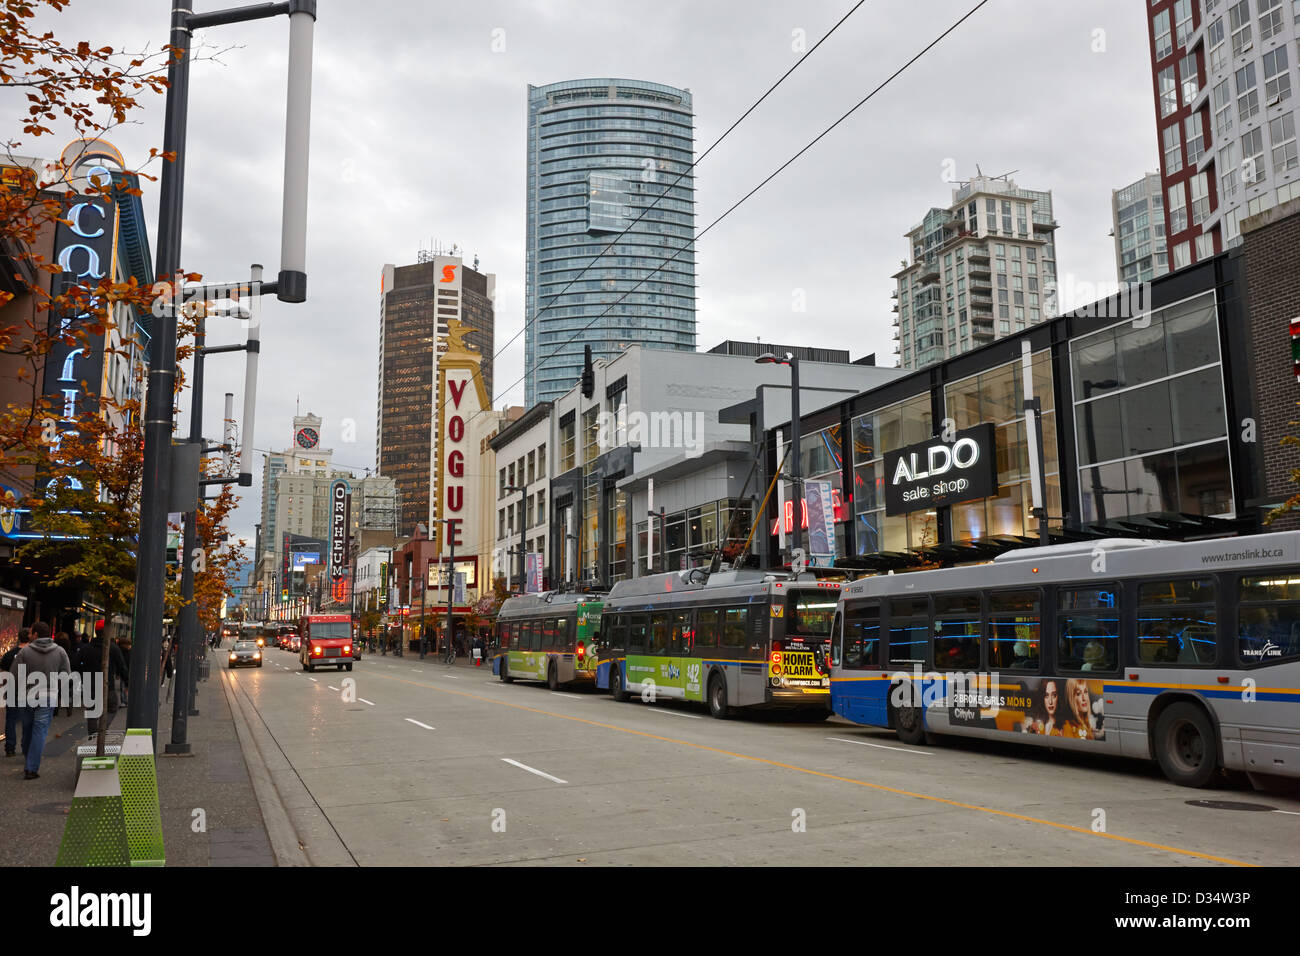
{"points": [[437, 765]]}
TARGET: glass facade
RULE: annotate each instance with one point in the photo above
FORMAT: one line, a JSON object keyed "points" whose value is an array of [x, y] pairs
{"points": [[719, 523], [600, 153], [1150, 415]]}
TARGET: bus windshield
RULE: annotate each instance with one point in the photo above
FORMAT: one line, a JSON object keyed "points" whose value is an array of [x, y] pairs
{"points": [[809, 613]]}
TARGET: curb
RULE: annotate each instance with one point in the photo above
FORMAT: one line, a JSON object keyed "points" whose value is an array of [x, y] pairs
{"points": [[311, 841]]}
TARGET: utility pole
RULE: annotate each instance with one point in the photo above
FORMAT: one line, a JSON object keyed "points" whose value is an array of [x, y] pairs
{"points": [[291, 286]]}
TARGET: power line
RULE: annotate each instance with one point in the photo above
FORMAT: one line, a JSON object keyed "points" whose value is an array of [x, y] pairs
{"points": [[893, 76], [614, 242]]}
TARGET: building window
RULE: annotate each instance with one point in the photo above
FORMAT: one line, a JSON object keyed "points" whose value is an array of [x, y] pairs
{"points": [[618, 416], [1282, 133], [1247, 94], [566, 446], [1173, 149], [1177, 206], [1182, 255], [1204, 246], [616, 533], [1277, 79], [1252, 152], [1195, 138], [1183, 21], [541, 507], [1164, 36], [1228, 170], [541, 462], [1270, 18], [1200, 199], [1223, 108], [1239, 23], [532, 466], [590, 435], [1168, 91], [1191, 78], [1218, 50]]}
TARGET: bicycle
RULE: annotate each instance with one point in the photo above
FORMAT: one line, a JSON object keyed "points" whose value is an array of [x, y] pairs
{"points": [[449, 653]]}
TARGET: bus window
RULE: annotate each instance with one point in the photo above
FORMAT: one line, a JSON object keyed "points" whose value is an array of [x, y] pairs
{"points": [[615, 634], [706, 627], [1269, 631], [909, 627], [682, 636], [659, 635], [1176, 623], [733, 627], [808, 613], [957, 631], [637, 636], [1087, 628], [861, 637], [534, 635], [564, 628], [1015, 630]]}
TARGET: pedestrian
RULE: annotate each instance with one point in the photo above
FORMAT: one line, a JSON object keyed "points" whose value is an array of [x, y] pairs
{"points": [[13, 710], [124, 645], [64, 642], [90, 662], [44, 656]]}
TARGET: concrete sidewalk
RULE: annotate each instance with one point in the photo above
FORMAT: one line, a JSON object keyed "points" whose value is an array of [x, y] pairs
{"points": [[210, 811]]}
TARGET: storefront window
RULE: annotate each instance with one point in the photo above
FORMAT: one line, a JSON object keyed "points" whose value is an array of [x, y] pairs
{"points": [[1150, 415], [874, 434]]}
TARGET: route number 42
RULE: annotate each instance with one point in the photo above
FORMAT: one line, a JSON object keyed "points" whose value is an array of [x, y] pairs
{"points": [[692, 673]]}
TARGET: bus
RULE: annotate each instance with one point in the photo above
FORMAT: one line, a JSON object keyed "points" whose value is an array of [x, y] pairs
{"points": [[1186, 653], [548, 637], [735, 639]]}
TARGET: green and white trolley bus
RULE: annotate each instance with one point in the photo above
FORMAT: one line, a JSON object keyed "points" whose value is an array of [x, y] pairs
{"points": [[1187, 653], [549, 637], [736, 639]]}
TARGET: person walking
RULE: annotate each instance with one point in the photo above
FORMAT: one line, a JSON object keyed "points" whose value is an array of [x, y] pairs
{"points": [[44, 656], [14, 713], [90, 662]]}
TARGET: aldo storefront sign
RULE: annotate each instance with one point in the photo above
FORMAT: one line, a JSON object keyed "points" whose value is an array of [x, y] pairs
{"points": [[933, 473]]}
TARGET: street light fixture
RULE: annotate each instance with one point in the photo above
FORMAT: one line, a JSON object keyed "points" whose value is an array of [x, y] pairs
{"points": [[796, 478]]}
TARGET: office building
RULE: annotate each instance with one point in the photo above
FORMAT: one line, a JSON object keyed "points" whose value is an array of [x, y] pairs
{"points": [[417, 303], [601, 153], [1138, 225], [982, 268], [1224, 78]]}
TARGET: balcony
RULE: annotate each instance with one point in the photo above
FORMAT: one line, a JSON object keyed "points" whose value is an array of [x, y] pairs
{"points": [[978, 254], [982, 330], [929, 274], [1050, 226]]}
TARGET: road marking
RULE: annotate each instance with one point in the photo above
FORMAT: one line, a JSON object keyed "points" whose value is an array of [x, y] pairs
{"points": [[364, 701], [673, 713], [451, 676], [863, 743], [314, 679], [332, 687], [897, 791], [412, 720], [524, 766], [1290, 813], [570, 696]]}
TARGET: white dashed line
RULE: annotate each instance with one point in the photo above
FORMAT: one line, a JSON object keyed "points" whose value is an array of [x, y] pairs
{"points": [[332, 687], [571, 696], [863, 743], [364, 701], [524, 766], [312, 678], [453, 676], [673, 713], [412, 720]]}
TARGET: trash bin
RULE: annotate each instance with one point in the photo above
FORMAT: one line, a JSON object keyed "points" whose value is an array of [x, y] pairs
{"points": [[205, 669]]}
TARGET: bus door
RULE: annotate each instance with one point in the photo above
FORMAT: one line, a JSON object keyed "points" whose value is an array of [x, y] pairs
{"points": [[756, 620]]}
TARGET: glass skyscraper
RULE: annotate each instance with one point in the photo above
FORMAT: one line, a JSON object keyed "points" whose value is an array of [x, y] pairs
{"points": [[600, 152]]}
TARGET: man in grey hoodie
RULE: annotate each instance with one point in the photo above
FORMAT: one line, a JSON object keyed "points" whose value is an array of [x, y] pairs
{"points": [[42, 655]]}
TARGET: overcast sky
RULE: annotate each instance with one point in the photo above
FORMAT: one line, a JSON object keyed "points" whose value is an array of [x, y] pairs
{"points": [[418, 135]]}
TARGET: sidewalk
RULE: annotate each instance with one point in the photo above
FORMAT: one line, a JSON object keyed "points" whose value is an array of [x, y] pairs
{"points": [[214, 780]]}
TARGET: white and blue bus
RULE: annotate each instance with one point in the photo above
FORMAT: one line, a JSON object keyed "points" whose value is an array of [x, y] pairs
{"points": [[1187, 653]]}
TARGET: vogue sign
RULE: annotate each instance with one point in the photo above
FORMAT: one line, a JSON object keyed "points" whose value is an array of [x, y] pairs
{"points": [[935, 472]]}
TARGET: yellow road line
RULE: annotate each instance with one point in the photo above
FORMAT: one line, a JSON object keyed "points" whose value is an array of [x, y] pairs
{"points": [[831, 776]]}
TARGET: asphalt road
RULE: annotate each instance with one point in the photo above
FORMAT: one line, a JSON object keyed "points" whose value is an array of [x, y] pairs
{"points": [[436, 765]]}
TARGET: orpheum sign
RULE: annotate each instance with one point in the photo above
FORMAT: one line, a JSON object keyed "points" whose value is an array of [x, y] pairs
{"points": [[340, 501], [933, 473]]}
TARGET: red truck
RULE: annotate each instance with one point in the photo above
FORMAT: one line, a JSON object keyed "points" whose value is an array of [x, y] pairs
{"points": [[327, 640]]}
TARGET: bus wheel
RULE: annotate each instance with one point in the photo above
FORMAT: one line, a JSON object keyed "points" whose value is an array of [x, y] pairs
{"points": [[616, 684], [909, 725], [1186, 746], [505, 671], [718, 697], [553, 677], [349, 667]]}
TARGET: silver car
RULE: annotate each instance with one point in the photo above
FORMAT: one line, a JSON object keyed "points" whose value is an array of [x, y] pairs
{"points": [[245, 653]]}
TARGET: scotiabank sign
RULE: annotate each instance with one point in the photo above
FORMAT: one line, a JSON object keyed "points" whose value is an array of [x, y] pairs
{"points": [[933, 473]]}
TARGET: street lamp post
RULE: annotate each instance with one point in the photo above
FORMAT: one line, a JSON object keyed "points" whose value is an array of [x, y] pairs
{"points": [[796, 476]]}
